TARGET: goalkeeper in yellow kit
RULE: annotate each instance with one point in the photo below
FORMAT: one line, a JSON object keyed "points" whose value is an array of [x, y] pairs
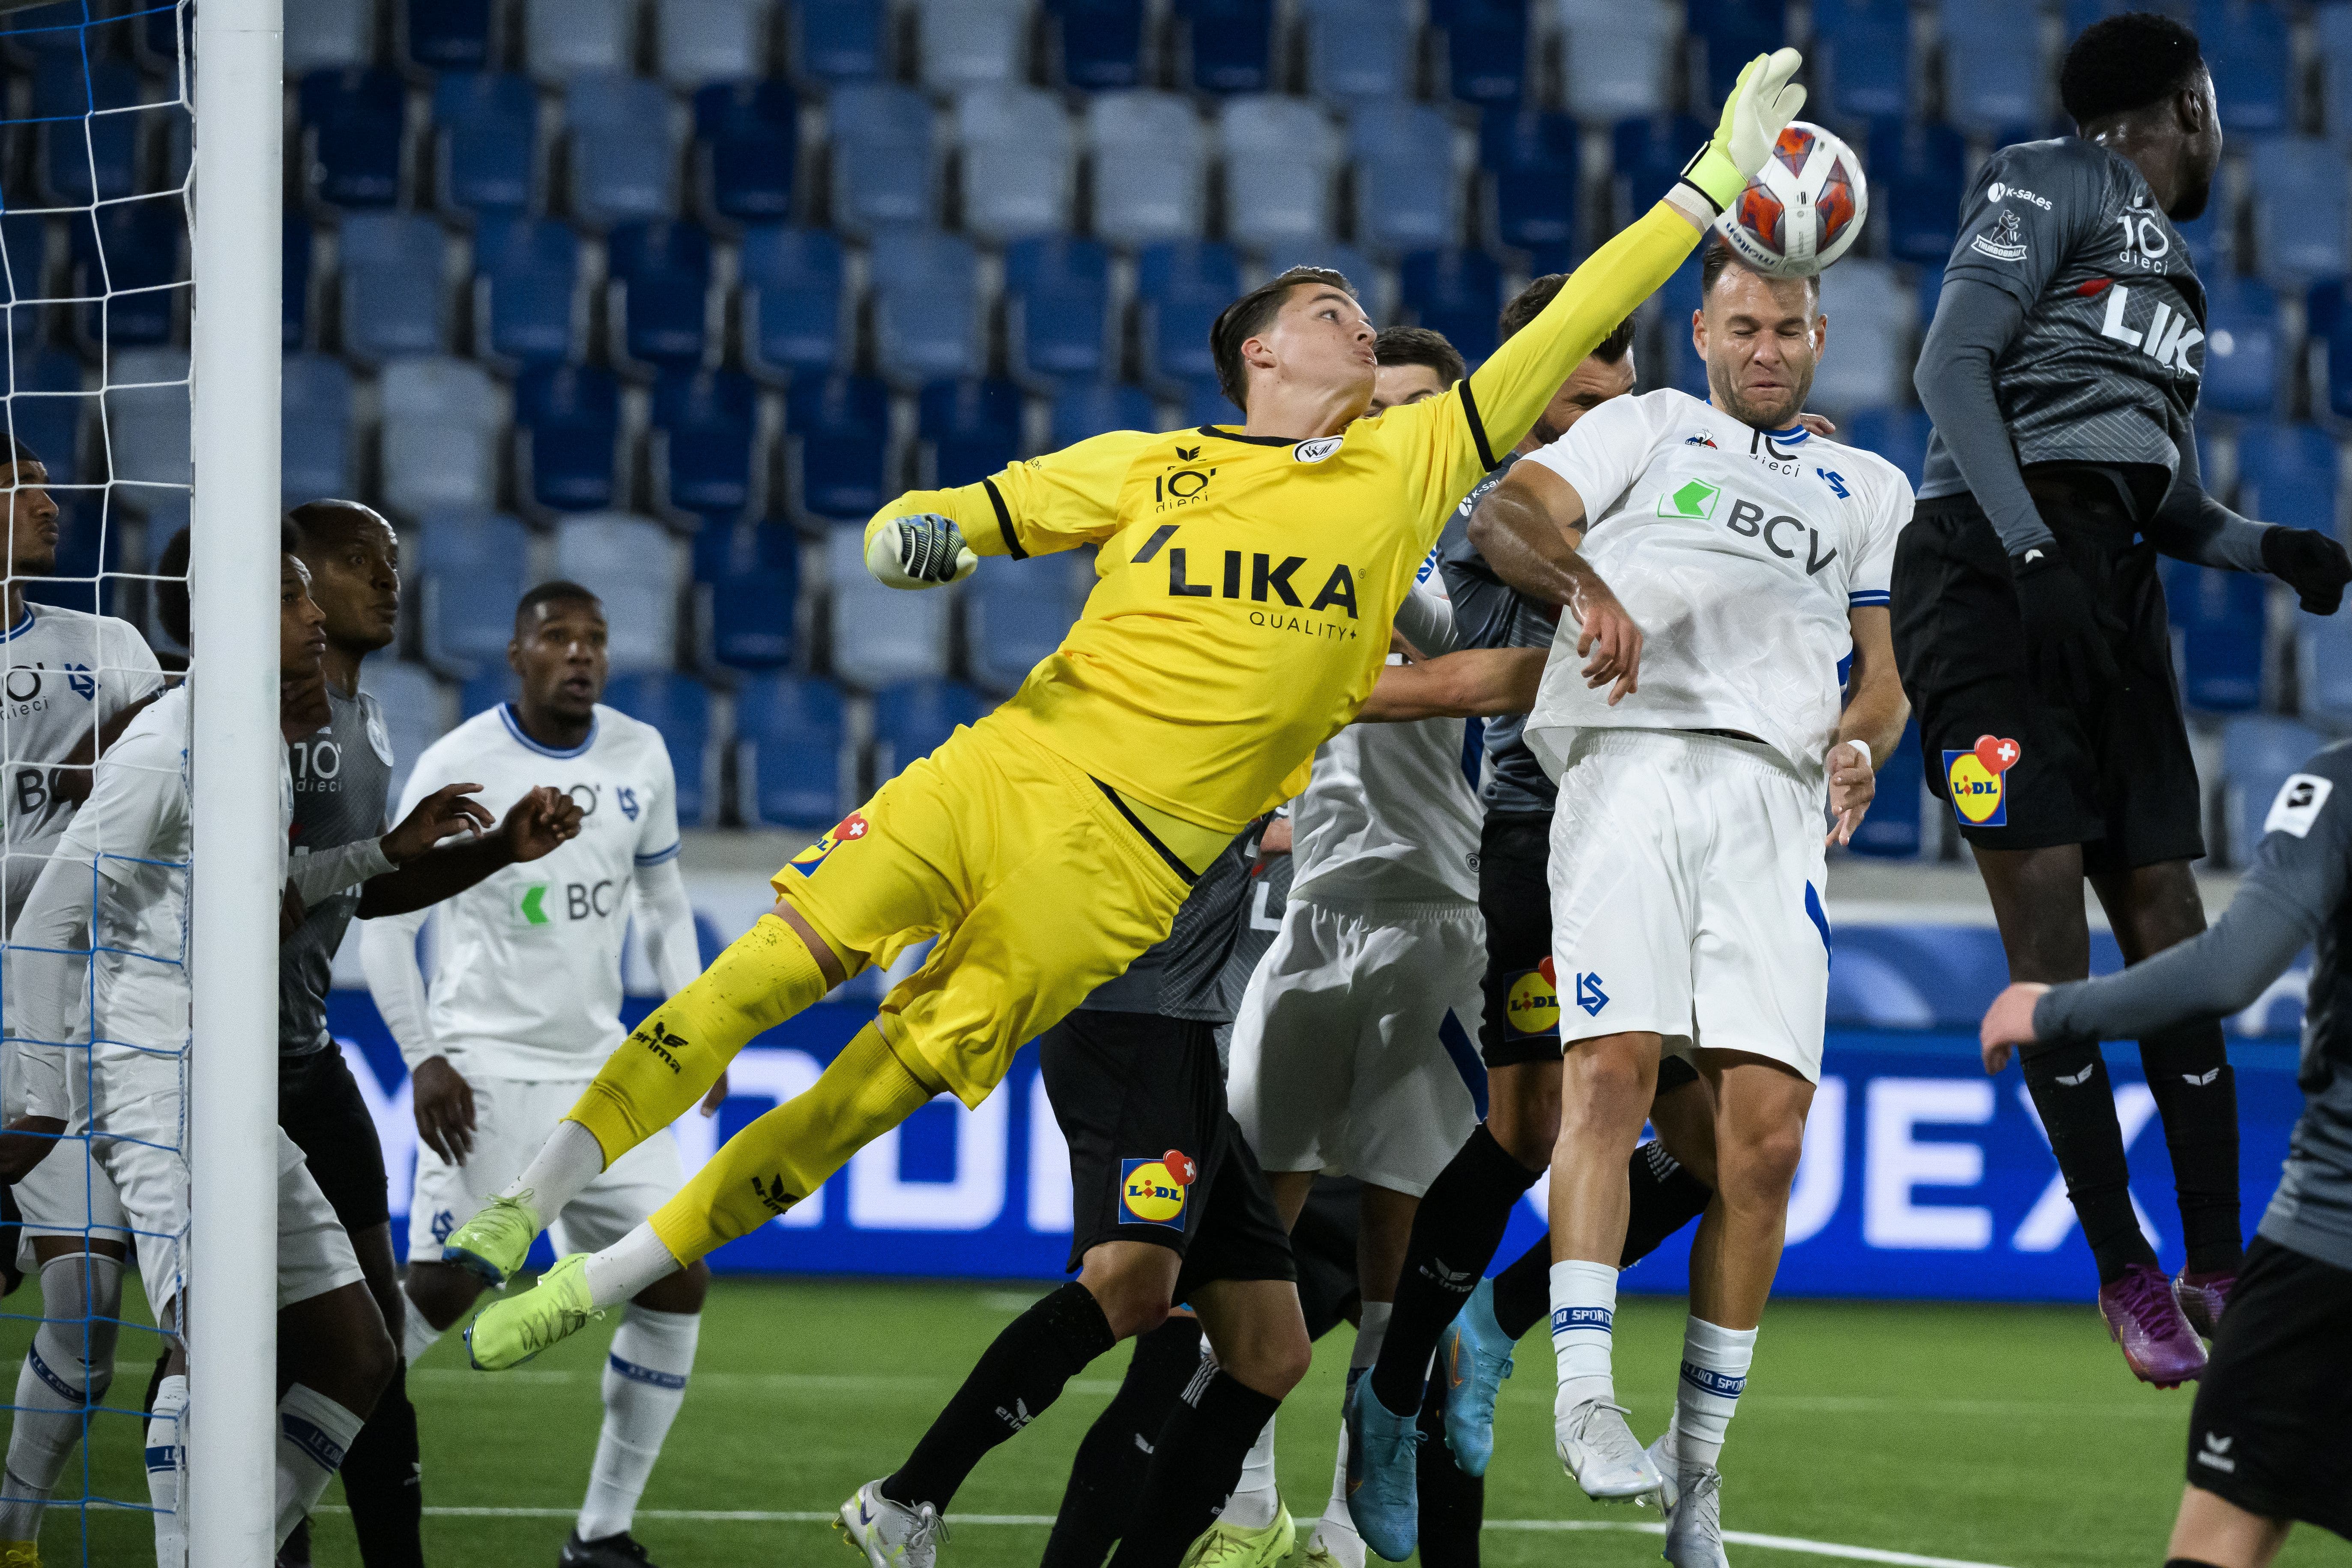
{"points": [[1248, 580]]}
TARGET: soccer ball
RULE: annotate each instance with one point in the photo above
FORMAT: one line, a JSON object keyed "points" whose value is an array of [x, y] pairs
{"points": [[1803, 210]]}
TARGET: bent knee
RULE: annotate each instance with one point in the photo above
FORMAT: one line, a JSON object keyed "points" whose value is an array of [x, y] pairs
{"points": [[1761, 1170], [1135, 1292]]}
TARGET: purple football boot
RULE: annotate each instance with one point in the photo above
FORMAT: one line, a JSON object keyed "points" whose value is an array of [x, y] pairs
{"points": [[2202, 1297], [2144, 1318]]}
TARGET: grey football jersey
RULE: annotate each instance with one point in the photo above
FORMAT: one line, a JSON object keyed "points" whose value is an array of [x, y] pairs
{"points": [[2107, 368], [1489, 612], [342, 778], [1183, 977]]}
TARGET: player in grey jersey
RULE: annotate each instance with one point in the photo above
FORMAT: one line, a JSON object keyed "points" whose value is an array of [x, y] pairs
{"points": [[2266, 1442], [2061, 372]]}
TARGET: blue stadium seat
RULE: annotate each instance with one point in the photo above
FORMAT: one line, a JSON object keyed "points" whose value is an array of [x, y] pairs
{"points": [[1919, 172], [1175, 325], [395, 299], [2330, 326], [680, 707], [1231, 43], [964, 44], [1015, 614], [1892, 830], [486, 141], [704, 429], [1204, 402], [2217, 625], [352, 123], [1676, 300], [2081, 14], [315, 428], [1020, 158], [1056, 310], [2332, 33], [625, 561], [2301, 209], [328, 33], [752, 616], [146, 420], [1359, 49], [445, 34], [1897, 434], [2288, 474], [487, 687], [885, 163], [2245, 46], [739, 549], [1869, 308], [1997, 70], [658, 298], [915, 718], [1486, 50], [1532, 166], [45, 407], [1619, 61], [791, 740], [1408, 191], [928, 321], [443, 427], [880, 635], [1732, 32], [1865, 48], [528, 308], [563, 38], [2257, 754], [838, 428], [1209, 265], [2208, 243], [2242, 347], [623, 161], [969, 428], [567, 437], [749, 137], [698, 41], [414, 711], [1646, 155], [294, 282], [474, 566], [83, 157], [1150, 167], [2324, 669], [1085, 409], [1102, 43], [842, 40], [1282, 167], [1343, 258], [796, 313], [1458, 292]]}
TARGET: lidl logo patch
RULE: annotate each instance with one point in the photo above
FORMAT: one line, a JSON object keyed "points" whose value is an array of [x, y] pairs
{"points": [[847, 831], [1979, 796], [1533, 1005], [1694, 502], [1151, 1192]]}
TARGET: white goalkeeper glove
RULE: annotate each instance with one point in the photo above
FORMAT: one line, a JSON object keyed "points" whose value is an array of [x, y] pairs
{"points": [[1763, 102], [920, 551]]}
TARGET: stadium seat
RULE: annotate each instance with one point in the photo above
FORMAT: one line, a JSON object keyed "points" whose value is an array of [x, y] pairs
{"points": [[658, 297], [964, 44], [881, 635], [2288, 474], [1892, 831], [841, 41], [2242, 347], [698, 41], [1150, 167], [1019, 163], [2257, 754], [1101, 43], [1486, 50], [1996, 65], [146, 431], [796, 314], [1731, 33], [528, 306], [444, 35], [1646, 155], [1359, 49], [1918, 172], [567, 437], [294, 282], [2218, 620], [45, 405], [1341, 257], [1898, 435], [680, 707], [1675, 302], [624, 157], [1458, 292], [928, 321], [83, 157], [1869, 363], [1864, 50], [486, 141], [753, 613], [2245, 48], [1056, 311], [442, 428], [1175, 324], [1408, 185], [2324, 669], [1230, 43], [1618, 57], [791, 744], [2081, 14], [394, 291], [563, 38], [1085, 409], [1532, 168], [1282, 165], [474, 566], [2332, 35], [914, 718], [704, 444], [748, 137], [315, 430], [352, 129], [838, 433], [330, 34], [414, 711], [722, 550], [2301, 209], [1203, 402], [626, 562], [969, 428], [2330, 326], [1015, 614], [487, 687], [885, 163]]}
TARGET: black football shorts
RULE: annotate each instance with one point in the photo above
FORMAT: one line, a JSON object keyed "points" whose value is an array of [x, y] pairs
{"points": [[1522, 1012], [319, 1105], [2267, 1433]]}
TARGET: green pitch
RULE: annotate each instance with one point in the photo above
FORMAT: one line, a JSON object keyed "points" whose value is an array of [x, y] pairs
{"points": [[1986, 1434]]}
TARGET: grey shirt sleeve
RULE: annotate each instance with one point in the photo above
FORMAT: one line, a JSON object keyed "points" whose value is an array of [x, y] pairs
{"points": [[1426, 621], [2192, 526], [1975, 324]]}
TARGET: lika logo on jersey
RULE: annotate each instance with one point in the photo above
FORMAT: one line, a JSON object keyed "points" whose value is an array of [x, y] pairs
{"points": [[2164, 336], [850, 829]]}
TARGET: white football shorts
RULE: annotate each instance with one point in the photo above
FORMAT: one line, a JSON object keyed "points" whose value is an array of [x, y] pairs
{"points": [[512, 1118], [1687, 876], [1354, 1049], [68, 1193]]}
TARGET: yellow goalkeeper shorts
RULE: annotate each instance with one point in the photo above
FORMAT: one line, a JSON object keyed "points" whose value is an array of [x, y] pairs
{"points": [[1039, 882]]}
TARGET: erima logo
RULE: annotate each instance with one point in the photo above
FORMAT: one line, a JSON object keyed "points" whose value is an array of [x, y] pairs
{"points": [[771, 1194], [1187, 454], [2166, 339], [1315, 451], [1589, 995], [2076, 1080], [662, 1042], [2200, 1079], [1452, 1278], [1270, 582], [2032, 556], [1017, 1418], [2214, 1455]]}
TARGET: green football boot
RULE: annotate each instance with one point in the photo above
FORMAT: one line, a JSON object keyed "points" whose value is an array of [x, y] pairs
{"points": [[494, 1243], [1230, 1546], [513, 1328]]}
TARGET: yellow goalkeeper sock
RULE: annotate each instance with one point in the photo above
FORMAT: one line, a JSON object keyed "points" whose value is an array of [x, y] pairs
{"points": [[670, 1060], [787, 1155]]}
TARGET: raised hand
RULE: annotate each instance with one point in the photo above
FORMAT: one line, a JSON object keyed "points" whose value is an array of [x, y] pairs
{"points": [[540, 822], [446, 812], [1763, 102]]}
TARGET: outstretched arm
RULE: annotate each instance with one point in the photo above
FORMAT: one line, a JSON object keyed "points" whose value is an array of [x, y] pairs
{"points": [[534, 827], [2192, 526], [1527, 528], [1471, 684]]}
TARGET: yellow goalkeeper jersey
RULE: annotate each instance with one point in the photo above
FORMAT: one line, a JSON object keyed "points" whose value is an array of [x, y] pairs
{"points": [[1246, 584]]}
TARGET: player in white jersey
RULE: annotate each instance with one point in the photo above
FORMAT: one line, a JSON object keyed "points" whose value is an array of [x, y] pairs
{"points": [[1694, 757], [524, 1006]]}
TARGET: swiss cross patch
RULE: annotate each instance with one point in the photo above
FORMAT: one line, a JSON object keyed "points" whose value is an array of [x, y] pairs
{"points": [[852, 827]]}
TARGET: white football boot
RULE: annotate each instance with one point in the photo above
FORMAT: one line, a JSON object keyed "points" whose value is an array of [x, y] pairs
{"points": [[891, 1534], [1600, 1450], [1693, 1499]]}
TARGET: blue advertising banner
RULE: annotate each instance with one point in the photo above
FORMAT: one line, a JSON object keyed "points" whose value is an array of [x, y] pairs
{"points": [[1921, 1176]]}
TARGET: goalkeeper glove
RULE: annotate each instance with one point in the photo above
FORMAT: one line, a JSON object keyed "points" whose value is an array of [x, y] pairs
{"points": [[920, 551], [2311, 563], [1763, 102]]}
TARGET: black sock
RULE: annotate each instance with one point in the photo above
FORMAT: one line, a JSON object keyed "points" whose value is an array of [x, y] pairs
{"points": [[1020, 1373], [384, 1481], [1195, 1465], [2197, 1097], [1460, 1223], [2077, 1106], [1453, 1505], [1107, 1474], [2188, 1563], [296, 1552], [156, 1383], [1666, 1197]]}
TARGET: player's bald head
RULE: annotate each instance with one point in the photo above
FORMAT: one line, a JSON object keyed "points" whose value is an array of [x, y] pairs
{"points": [[322, 525]]}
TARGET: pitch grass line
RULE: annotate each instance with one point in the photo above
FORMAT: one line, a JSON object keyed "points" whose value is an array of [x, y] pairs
{"points": [[1040, 1520]]}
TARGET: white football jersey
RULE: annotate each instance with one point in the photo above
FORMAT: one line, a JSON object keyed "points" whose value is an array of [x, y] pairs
{"points": [[1738, 553], [527, 964], [1388, 811]]}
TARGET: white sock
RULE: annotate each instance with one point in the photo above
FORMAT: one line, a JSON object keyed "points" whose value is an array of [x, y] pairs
{"points": [[626, 1269], [1369, 1332], [164, 1456], [1583, 1315], [1255, 1498], [559, 1172], [67, 1369], [417, 1335], [644, 1382], [1336, 1530], [1373, 1328], [313, 1435], [1715, 1371]]}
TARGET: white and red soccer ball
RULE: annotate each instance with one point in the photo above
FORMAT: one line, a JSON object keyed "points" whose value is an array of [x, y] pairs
{"points": [[1803, 210]]}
